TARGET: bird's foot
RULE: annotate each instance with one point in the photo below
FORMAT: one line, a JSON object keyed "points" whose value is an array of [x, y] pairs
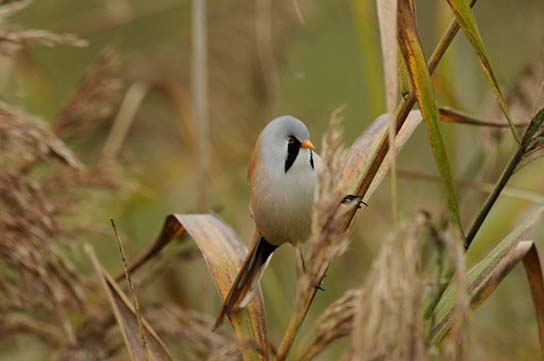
{"points": [[319, 285], [351, 197]]}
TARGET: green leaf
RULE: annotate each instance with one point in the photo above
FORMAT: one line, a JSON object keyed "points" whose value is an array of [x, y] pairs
{"points": [[485, 276], [467, 22], [421, 82]]}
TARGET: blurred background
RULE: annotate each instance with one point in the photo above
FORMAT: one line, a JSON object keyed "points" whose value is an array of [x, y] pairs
{"points": [[268, 58]]}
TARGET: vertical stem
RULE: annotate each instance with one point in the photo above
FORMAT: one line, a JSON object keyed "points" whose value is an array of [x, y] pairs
{"points": [[492, 197], [199, 84]]}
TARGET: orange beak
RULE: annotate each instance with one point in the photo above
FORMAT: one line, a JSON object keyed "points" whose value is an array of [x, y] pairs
{"points": [[307, 145]]}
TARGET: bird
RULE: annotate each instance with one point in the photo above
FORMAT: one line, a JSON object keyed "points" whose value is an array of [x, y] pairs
{"points": [[282, 174]]}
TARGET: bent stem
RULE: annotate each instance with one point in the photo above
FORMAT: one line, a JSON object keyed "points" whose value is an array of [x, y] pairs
{"points": [[526, 146], [523, 148], [307, 291]]}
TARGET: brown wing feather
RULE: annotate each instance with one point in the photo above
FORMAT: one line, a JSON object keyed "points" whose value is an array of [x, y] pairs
{"points": [[253, 161], [247, 278]]}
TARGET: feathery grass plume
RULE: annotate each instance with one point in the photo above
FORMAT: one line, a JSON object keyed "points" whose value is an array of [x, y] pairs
{"points": [[328, 238], [40, 288], [329, 219], [27, 139], [454, 346], [94, 100], [13, 39], [334, 323], [389, 324], [40, 275]]}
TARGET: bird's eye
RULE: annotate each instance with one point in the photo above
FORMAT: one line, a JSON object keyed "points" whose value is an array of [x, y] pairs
{"points": [[290, 140]]}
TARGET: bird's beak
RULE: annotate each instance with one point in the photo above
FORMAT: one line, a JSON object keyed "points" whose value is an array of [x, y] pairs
{"points": [[307, 145]]}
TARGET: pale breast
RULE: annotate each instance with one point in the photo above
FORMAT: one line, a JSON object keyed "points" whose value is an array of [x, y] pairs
{"points": [[282, 202]]}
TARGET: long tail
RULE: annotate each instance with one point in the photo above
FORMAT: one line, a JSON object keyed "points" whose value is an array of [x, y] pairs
{"points": [[247, 279]]}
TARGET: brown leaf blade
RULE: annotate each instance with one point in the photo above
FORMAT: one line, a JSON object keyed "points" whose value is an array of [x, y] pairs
{"points": [[533, 269], [485, 276], [223, 254], [153, 347]]}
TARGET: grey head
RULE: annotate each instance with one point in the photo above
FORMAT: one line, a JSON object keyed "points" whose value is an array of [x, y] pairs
{"points": [[284, 138]]}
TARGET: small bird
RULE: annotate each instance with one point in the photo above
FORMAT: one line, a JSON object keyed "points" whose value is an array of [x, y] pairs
{"points": [[282, 173]]}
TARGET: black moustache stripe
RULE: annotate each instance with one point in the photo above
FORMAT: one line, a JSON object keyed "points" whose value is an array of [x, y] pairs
{"points": [[292, 152], [312, 159]]}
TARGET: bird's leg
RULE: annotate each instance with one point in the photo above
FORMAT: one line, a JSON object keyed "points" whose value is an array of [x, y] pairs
{"points": [[350, 197], [301, 265]]}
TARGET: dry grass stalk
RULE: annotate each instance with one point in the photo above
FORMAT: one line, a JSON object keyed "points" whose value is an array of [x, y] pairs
{"points": [[121, 125], [134, 298]]}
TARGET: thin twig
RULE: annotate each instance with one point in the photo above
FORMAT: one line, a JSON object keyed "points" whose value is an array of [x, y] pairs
{"points": [[135, 302], [199, 82]]}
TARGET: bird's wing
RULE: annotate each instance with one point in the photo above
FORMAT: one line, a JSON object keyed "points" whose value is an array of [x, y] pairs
{"points": [[247, 279]]}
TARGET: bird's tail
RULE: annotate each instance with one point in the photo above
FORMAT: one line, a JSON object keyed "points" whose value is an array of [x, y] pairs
{"points": [[247, 279]]}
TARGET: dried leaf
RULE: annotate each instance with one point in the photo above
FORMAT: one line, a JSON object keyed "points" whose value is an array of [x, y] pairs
{"points": [[223, 253], [485, 276], [533, 269], [410, 46], [454, 116], [153, 347]]}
